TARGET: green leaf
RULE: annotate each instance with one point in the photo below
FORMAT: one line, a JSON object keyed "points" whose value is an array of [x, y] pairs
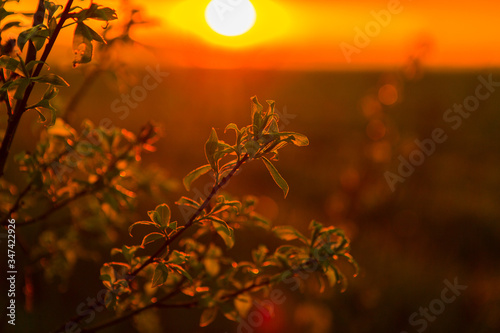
{"points": [[351, 260], [150, 238], [22, 83], [289, 233], [300, 140], [110, 299], [11, 64], [278, 179], [82, 44], [129, 252], [243, 304], [160, 275], [52, 79], [331, 275], [257, 121], [315, 228], [260, 254], [104, 14], [181, 271], [37, 34], [107, 273], [178, 258], [252, 147], [211, 148], [195, 174], [50, 93], [185, 201], [43, 103], [95, 36], [42, 117], [272, 105], [51, 9], [30, 65], [163, 215], [218, 221], [226, 233], [208, 316], [234, 127]]}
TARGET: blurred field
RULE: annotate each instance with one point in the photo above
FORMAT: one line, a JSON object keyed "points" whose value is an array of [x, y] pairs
{"points": [[441, 223]]}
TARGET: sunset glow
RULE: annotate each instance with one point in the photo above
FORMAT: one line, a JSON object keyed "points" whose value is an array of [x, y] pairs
{"points": [[298, 35], [308, 35], [190, 17], [230, 19]]}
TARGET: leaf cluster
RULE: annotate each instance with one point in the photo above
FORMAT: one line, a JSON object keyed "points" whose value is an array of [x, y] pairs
{"points": [[199, 269]]}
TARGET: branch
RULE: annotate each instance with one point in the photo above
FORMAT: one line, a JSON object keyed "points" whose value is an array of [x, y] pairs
{"points": [[151, 259], [17, 204], [114, 321], [37, 19], [61, 204], [7, 102], [20, 107], [186, 305], [98, 185], [195, 215]]}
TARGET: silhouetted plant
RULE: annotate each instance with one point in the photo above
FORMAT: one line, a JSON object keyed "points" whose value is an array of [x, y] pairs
{"points": [[93, 176]]}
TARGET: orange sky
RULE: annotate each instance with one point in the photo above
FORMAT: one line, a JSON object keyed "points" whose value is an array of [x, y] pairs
{"points": [[306, 35]]}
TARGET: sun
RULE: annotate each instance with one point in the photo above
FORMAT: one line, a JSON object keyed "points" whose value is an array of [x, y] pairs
{"points": [[230, 17]]}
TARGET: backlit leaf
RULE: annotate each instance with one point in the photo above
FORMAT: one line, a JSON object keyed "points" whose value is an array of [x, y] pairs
{"points": [[52, 79], [163, 215], [150, 238], [289, 233], [160, 275], [82, 44], [208, 316], [211, 148], [278, 179], [243, 304], [195, 174], [140, 223]]}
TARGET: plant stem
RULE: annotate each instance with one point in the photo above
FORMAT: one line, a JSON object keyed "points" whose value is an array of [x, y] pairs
{"points": [[60, 205], [114, 321], [98, 185], [205, 203], [151, 259], [17, 204], [20, 107]]}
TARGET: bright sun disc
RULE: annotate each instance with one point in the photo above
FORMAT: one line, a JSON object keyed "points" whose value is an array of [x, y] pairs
{"points": [[230, 17]]}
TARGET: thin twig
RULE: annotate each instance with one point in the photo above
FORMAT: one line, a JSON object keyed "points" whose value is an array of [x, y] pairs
{"points": [[114, 321], [60, 205], [7, 102], [195, 215], [151, 259], [17, 204], [20, 107], [96, 186]]}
